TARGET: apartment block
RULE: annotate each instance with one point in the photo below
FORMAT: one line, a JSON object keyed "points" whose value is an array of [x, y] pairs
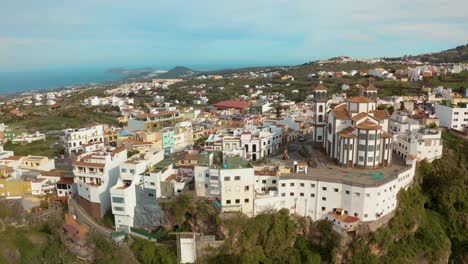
{"points": [[95, 173]]}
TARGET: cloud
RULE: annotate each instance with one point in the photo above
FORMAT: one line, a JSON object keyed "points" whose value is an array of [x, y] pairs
{"points": [[213, 31]]}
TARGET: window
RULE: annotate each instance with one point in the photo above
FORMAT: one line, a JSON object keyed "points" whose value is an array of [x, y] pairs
{"points": [[228, 201], [302, 184], [291, 184], [324, 208], [283, 194], [356, 214], [335, 189], [346, 211], [312, 185], [207, 175], [263, 181], [362, 147], [227, 178], [246, 188], [370, 159], [152, 183], [347, 192], [312, 195], [124, 170], [362, 136], [301, 194], [371, 148], [365, 215], [361, 158], [237, 201], [117, 200], [367, 194], [132, 171], [291, 194], [324, 188], [324, 198], [237, 178], [246, 200], [283, 185], [273, 181], [118, 208], [357, 194]]}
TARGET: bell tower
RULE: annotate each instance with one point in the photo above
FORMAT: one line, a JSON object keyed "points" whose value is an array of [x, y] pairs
{"points": [[320, 103]]}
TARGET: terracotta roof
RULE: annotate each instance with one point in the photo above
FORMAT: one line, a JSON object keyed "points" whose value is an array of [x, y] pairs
{"points": [[368, 125], [320, 87], [359, 116], [14, 158], [65, 180], [344, 217], [118, 150], [88, 164], [191, 157], [380, 114], [347, 132], [232, 104], [340, 112], [52, 173], [386, 135], [359, 99]]}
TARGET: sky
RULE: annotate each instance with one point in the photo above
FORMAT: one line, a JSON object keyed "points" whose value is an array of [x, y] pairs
{"points": [[53, 34]]}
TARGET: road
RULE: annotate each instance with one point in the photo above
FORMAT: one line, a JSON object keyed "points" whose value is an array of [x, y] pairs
{"points": [[84, 218]]}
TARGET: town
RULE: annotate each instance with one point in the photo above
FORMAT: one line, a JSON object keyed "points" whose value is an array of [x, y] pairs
{"points": [[336, 147]]}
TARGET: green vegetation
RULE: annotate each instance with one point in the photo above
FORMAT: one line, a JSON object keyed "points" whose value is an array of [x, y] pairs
{"points": [[431, 218], [456, 55], [151, 253], [275, 237], [40, 148], [37, 244]]}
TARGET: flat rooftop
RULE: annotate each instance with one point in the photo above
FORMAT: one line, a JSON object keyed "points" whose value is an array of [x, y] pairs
{"points": [[351, 176]]}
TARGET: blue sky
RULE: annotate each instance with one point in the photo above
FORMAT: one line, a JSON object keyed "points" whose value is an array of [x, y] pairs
{"points": [[119, 33]]}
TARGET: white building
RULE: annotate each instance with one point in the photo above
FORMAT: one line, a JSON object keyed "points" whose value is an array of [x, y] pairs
{"points": [[251, 142], [75, 139], [452, 116], [356, 132], [95, 173], [316, 192], [66, 187], [411, 139], [232, 183], [45, 183], [129, 197]]}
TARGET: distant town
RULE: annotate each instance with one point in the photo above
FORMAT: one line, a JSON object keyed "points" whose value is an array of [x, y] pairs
{"points": [[333, 141]]}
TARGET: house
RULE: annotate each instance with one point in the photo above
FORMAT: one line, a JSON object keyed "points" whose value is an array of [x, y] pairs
{"points": [[95, 173], [66, 186], [76, 139], [453, 116], [232, 104]]}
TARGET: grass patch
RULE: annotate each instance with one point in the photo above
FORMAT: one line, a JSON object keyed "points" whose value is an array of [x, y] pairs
{"points": [[39, 148]]}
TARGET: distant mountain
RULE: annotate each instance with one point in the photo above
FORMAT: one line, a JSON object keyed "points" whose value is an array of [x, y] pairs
{"points": [[456, 55], [178, 72]]}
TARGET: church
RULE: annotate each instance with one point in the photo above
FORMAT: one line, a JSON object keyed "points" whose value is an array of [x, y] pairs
{"points": [[354, 133]]}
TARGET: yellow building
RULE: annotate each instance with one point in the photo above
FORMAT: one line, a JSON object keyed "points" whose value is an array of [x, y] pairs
{"points": [[37, 163], [111, 134], [154, 122], [9, 186]]}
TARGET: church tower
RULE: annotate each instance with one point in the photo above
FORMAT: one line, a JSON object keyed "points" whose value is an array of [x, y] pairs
{"points": [[320, 104]]}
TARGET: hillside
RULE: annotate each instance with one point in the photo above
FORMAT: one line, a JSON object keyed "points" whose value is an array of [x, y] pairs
{"points": [[456, 55], [177, 72]]}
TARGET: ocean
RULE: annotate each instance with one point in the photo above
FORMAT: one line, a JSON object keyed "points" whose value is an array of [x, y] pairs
{"points": [[19, 81]]}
